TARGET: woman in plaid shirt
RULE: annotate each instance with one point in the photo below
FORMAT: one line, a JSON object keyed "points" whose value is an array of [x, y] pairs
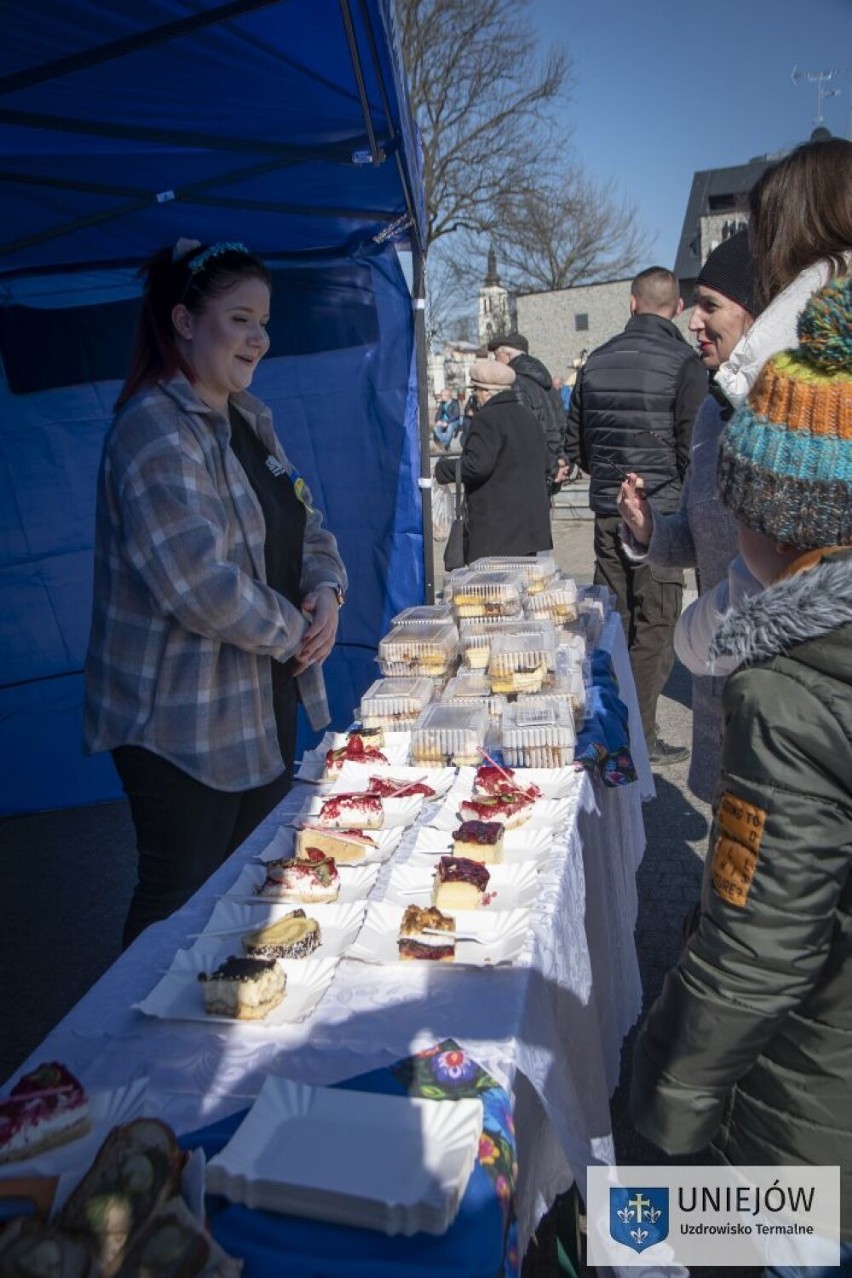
{"points": [[217, 589]]}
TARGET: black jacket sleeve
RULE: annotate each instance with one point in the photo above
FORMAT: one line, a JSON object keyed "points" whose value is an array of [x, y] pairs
{"points": [[445, 470], [575, 451], [692, 387]]}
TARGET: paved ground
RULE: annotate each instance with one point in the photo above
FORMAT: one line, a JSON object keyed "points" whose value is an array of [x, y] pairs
{"points": [[68, 877]]}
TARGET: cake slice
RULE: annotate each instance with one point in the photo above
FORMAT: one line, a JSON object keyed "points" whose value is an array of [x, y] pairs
{"points": [[390, 788], [415, 943], [245, 988], [356, 750], [459, 884], [47, 1107], [509, 809], [480, 841], [293, 937], [348, 847], [490, 779], [524, 680], [361, 811], [311, 877]]}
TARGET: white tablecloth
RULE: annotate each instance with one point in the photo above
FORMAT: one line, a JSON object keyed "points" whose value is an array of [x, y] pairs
{"points": [[550, 1031]]}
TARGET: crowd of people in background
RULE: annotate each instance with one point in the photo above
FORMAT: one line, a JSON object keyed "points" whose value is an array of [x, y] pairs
{"points": [[734, 460]]}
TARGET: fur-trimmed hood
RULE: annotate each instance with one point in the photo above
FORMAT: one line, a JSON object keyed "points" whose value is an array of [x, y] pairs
{"points": [[812, 604]]}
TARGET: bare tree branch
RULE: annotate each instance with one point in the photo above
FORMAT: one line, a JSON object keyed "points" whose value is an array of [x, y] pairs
{"points": [[573, 231], [481, 93], [492, 114]]}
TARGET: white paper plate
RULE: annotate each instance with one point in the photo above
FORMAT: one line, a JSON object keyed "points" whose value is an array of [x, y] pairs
{"points": [[119, 1105], [554, 783], [502, 935], [394, 812], [339, 925], [356, 882], [355, 776], [397, 1164], [543, 813], [510, 887], [178, 995], [395, 750], [282, 846], [524, 844]]}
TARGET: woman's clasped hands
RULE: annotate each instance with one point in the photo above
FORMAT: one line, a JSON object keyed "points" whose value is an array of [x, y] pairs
{"points": [[321, 610]]}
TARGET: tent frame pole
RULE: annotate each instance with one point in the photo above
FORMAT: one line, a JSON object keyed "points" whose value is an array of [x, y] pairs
{"points": [[419, 280]]}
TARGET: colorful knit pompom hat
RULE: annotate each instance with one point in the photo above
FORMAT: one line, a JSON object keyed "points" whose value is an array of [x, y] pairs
{"points": [[785, 459]]}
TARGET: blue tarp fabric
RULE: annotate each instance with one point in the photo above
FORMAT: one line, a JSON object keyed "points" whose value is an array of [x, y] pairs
{"points": [[124, 127]]}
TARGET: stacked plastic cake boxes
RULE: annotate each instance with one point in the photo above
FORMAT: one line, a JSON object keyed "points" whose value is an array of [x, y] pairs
{"points": [[523, 662], [423, 614], [558, 603], [450, 735], [538, 732], [395, 704], [536, 571], [476, 638], [473, 685], [490, 594], [430, 650]]}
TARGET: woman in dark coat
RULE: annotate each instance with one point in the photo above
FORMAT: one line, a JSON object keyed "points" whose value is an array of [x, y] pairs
{"points": [[503, 469]]}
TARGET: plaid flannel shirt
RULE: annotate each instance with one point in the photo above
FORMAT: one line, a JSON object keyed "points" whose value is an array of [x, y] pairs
{"points": [[184, 626]]}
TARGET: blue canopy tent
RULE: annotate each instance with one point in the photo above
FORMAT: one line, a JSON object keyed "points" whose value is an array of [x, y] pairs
{"points": [[123, 126]]}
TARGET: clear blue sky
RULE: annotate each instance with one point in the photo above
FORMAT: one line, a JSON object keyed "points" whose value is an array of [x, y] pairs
{"points": [[666, 87]]}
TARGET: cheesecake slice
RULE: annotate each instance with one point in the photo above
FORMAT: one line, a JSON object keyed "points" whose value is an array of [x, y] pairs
{"points": [[510, 809], [347, 847], [479, 841], [245, 988], [459, 884], [356, 750], [415, 943], [490, 779], [391, 788], [312, 877], [360, 811], [47, 1107]]}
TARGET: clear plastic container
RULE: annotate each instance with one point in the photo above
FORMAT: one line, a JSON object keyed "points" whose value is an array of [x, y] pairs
{"points": [[473, 685], [476, 636], [449, 736], [487, 594], [522, 663], [537, 571], [430, 649], [423, 614], [571, 645], [559, 602], [538, 732], [395, 704]]}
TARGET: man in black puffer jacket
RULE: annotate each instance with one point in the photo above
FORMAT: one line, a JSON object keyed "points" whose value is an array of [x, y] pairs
{"points": [[632, 409], [534, 388]]}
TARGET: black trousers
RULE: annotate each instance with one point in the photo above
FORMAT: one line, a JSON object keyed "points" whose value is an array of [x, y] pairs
{"points": [[185, 829], [649, 599]]}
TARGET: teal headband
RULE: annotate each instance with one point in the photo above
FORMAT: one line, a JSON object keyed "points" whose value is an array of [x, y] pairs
{"points": [[198, 263]]}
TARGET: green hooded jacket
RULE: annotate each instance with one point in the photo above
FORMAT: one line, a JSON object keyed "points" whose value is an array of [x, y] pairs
{"points": [[749, 1045]]}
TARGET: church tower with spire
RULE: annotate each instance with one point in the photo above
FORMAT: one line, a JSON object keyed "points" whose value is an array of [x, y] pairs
{"points": [[494, 310]]}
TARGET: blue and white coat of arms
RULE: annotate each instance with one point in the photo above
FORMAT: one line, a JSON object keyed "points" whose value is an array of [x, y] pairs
{"points": [[639, 1218]]}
